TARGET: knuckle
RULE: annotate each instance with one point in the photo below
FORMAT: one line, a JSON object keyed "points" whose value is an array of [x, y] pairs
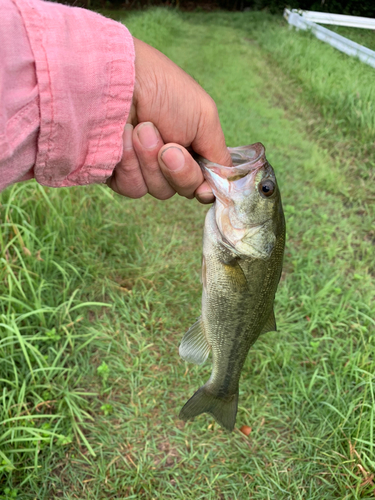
{"points": [[212, 108], [187, 183], [151, 167], [130, 165], [209, 115], [165, 195], [136, 192]]}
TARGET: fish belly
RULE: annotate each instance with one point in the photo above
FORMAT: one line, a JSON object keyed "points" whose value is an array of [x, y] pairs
{"points": [[229, 306]]}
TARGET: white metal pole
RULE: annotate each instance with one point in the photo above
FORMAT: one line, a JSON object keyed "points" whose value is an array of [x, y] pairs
{"points": [[337, 19], [339, 42]]}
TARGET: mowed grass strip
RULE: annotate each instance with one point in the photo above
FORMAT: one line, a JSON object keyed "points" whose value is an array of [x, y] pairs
{"points": [[97, 292]]}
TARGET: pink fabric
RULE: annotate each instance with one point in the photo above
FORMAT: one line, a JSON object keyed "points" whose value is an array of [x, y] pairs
{"points": [[66, 85]]}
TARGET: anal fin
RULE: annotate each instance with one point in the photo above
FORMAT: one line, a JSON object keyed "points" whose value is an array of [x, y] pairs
{"points": [[194, 346], [270, 324]]}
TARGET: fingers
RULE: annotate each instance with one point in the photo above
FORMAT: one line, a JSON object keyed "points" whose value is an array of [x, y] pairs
{"points": [[147, 143], [127, 178], [149, 166], [183, 173], [138, 172]]}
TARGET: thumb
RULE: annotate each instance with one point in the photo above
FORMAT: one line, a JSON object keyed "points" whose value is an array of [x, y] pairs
{"points": [[183, 173]]}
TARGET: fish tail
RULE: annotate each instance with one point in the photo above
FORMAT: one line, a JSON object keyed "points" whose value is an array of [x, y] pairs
{"points": [[224, 410]]}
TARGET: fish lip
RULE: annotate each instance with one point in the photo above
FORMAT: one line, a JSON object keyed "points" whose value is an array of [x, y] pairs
{"points": [[246, 159]]}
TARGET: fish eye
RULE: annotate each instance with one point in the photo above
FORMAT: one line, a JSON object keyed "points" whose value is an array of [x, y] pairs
{"points": [[267, 188]]}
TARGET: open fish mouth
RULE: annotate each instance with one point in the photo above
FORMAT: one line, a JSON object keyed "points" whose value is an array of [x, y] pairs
{"points": [[244, 158], [226, 181]]}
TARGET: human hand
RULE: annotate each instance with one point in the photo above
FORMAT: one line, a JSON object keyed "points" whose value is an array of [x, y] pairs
{"points": [[170, 112]]}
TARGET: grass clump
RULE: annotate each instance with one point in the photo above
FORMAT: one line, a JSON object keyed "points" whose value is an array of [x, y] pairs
{"points": [[43, 331], [339, 85], [96, 323]]}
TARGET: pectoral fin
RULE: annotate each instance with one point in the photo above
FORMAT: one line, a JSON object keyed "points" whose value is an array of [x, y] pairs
{"points": [[270, 324], [194, 346]]}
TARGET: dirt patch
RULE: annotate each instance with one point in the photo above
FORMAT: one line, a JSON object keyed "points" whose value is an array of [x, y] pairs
{"points": [[169, 455]]}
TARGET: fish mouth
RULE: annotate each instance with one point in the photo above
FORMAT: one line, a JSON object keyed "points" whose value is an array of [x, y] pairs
{"points": [[225, 181]]}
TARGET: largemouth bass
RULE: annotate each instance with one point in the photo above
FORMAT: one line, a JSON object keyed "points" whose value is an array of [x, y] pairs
{"points": [[243, 248]]}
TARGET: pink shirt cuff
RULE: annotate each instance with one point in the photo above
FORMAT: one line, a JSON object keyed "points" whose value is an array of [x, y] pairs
{"points": [[76, 107]]}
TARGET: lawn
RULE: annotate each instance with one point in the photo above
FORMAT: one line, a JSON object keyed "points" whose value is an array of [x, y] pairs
{"points": [[97, 292]]}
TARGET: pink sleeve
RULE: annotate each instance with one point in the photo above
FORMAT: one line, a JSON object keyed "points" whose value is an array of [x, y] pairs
{"points": [[66, 80]]}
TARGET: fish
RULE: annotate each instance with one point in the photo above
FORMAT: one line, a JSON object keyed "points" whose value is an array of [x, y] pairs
{"points": [[243, 249]]}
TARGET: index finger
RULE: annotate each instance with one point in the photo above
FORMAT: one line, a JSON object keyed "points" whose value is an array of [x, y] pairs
{"points": [[209, 141]]}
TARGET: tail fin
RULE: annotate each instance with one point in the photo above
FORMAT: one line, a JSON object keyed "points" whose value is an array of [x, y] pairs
{"points": [[224, 411]]}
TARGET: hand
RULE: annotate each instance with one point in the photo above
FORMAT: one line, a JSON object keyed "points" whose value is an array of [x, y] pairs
{"points": [[170, 112]]}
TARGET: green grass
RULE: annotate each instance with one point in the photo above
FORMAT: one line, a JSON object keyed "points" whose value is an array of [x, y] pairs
{"points": [[339, 86], [97, 292]]}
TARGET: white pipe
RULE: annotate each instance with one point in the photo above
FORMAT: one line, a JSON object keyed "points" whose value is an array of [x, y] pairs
{"points": [[337, 19], [339, 42]]}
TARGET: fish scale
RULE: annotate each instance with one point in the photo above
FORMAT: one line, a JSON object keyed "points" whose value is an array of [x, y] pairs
{"points": [[243, 247]]}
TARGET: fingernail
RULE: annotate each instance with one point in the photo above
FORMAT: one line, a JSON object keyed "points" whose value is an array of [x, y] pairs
{"points": [[147, 135], [173, 158], [128, 136]]}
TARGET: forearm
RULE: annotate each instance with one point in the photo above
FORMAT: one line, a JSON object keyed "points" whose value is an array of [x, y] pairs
{"points": [[68, 79]]}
